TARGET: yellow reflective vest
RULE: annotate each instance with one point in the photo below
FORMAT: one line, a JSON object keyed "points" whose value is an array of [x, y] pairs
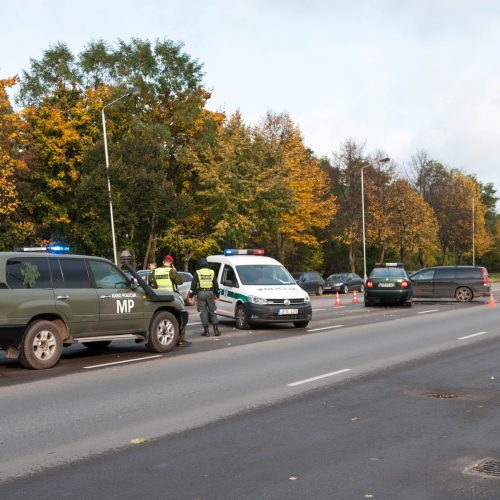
{"points": [[205, 278], [162, 278]]}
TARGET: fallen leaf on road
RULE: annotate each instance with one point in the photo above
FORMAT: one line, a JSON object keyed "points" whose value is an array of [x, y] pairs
{"points": [[292, 478], [354, 418], [137, 441]]}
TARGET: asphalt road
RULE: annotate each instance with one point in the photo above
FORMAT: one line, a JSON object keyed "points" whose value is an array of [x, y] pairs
{"points": [[86, 407]]}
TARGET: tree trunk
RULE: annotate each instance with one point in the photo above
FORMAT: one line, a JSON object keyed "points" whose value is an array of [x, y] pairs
{"points": [[382, 253], [352, 262], [421, 259]]}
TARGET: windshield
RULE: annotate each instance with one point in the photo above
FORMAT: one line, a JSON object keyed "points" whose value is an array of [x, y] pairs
{"points": [[339, 277], [264, 275], [388, 272]]}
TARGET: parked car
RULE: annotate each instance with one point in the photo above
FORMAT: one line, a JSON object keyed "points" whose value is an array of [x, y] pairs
{"points": [[311, 282], [183, 289], [460, 282], [388, 283], [344, 282]]}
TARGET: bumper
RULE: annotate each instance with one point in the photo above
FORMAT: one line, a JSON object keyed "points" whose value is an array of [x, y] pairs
{"points": [[271, 313], [332, 288], [388, 296]]}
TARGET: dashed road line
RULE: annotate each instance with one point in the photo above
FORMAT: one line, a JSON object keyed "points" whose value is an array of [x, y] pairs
{"points": [[473, 335], [319, 377], [429, 311], [325, 328], [121, 362]]}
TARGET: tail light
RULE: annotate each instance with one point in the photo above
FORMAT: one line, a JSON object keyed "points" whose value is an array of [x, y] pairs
{"points": [[369, 284], [486, 281], [404, 284]]}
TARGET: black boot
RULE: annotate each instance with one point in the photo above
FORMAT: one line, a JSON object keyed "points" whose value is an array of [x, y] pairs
{"points": [[206, 332], [216, 330]]}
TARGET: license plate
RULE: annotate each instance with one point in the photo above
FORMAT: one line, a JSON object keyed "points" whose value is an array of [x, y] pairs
{"points": [[386, 285], [287, 311]]}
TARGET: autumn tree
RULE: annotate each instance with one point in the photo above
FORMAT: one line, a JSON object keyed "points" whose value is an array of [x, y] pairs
{"points": [[14, 227]]}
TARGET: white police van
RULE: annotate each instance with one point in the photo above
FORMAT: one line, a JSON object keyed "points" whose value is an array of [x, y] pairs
{"points": [[258, 289]]}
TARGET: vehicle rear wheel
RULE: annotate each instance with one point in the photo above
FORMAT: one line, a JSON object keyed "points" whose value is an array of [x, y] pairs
{"points": [[163, 332], [319, 291], [42, 346], [464, 294], [241, 318], [345, 289], [300, 324], [368, 303], [97, 346]]}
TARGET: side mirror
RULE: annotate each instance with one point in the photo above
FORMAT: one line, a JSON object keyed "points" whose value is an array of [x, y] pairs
{"points": [[228, 283], [134, 283]]}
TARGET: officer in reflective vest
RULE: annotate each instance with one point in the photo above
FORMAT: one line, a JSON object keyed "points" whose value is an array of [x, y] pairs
{"points": [[206, 288], [166, 278]]}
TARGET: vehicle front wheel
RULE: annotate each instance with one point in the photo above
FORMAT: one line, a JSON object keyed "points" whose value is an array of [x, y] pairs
{"points": [[319, 291], [163, 332], [464, 294], [361, 288], [300, 324], [345, 289], [42, 346], [241, 318]]}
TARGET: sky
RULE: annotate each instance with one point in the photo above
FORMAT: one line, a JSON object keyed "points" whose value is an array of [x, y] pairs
{"points": [[398, 76]]}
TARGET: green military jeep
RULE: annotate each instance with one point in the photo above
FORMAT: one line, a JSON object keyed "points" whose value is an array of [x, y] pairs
{"points": [[49, 301]]}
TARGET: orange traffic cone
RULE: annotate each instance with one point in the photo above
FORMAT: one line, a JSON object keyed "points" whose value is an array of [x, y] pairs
{"points": [[355, 298], [491, 303], [337, 300]]}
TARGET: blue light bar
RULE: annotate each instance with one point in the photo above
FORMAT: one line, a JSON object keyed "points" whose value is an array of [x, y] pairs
{"points": [[58, 249], [240, 251]]}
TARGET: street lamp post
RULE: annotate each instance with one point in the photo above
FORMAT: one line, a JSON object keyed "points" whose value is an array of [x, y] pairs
{"points": [[383, 160], [134, 92]]}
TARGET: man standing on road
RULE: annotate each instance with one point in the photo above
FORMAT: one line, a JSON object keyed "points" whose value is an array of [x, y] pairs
{"points": [[205, 286], [167, 278]]}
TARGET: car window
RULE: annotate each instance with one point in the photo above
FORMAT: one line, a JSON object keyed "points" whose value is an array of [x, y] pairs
{"points": [[469, 273], [388, 272], [106, 275], [74, 274], [229, 274], [444, 273], [28, 273], [255, 274], [426, 274]]}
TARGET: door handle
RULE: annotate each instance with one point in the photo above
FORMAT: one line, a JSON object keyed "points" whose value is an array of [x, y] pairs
{"points": [[105, 296], [62, 297]]}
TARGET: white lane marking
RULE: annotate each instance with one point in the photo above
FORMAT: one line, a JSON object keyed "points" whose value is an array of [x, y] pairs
{"points": [[325, 328], [324, 309], [473, 335], [312, 379], [198, 323], [429, 311], [126, 361]]}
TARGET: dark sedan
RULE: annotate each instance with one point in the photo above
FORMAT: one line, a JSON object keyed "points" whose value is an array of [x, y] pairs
{"points": [[388, 283], [344, 282], [311, 282]]}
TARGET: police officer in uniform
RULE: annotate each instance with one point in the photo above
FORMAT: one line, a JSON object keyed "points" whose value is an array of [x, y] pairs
{"points": [[205, 286], [167, 278]]}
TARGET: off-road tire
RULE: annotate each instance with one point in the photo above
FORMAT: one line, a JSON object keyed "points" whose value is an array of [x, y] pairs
{"points": [[41, 347], [163, 332]]}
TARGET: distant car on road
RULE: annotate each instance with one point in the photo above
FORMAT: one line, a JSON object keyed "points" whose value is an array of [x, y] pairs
{"points": [[460, 282], [388, 283], [311, 282], [344, 282]]}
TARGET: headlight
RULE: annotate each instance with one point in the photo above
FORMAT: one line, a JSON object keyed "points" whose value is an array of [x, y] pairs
{"points": [[307, 299], [338, 284], [257, 300]]}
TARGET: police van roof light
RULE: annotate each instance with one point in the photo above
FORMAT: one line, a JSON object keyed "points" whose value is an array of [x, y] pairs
{"points": [[247, 251], [388, 264], [58, 248]]}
